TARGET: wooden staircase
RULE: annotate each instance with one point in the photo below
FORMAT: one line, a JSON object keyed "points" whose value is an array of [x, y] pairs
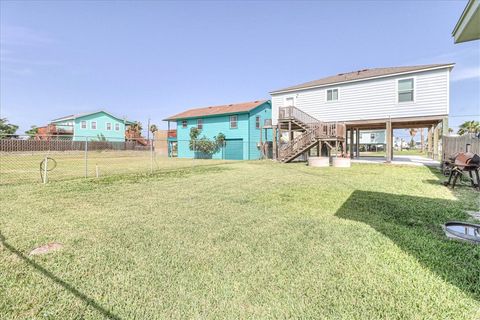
{"points": [[313, 133]]}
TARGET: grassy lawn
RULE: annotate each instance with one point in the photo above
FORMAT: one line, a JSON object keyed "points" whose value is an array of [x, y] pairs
{"points": [[25, 167], [240, 240]]}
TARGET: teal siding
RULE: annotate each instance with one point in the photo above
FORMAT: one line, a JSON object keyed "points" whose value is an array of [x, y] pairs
{"points": [[101, 119], [243, 139], [263, 111], [212, 126]]}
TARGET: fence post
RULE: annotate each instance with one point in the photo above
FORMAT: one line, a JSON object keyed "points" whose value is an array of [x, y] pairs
{"points": [[86, 157], [151, 156], [45, 171]]}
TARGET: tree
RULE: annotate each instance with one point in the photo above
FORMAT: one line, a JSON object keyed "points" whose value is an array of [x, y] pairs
{"points": [[469, 127], [7, 130], [32, 131], [136, 127], [413, 133], [204, 145], [153, 128], [450, 130]]}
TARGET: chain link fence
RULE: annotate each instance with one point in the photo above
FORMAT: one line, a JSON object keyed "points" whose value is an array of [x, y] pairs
{"points": [[24, 159]]}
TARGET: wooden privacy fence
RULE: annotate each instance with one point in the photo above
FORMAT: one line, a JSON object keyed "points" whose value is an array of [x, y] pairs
{"points": [[468, 142], [18, 145]]}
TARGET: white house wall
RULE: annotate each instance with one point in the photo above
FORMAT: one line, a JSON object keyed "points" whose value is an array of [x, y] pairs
{"points": [[373, 99]]}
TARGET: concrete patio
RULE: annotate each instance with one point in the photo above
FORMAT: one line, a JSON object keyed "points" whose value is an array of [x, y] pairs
{"points": [[401, 160]]}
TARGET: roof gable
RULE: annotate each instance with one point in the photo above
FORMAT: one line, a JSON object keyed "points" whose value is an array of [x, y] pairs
{"points": [[365, 74], [81, 115], [217, 110]]}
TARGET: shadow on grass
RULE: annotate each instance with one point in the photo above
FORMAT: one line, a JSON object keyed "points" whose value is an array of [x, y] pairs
{"points": [[414, 225], [182, 172], [89, 301]]}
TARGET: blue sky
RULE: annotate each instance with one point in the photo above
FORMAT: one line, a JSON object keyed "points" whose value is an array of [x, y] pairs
{"points": [[153, 59]]}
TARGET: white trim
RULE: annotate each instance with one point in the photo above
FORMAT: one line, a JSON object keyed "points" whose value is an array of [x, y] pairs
{"points": [[338, 95], [364, 79], [448, 91], [117, 126], [467, 14], [106, 126], [81, 124], [201, 120], [290, 97], [91, 125], [414, 78], [236, 121]]}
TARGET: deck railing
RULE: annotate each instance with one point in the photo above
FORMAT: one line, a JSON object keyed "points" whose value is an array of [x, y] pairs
{"points": [[293, 113], [320, 130]]}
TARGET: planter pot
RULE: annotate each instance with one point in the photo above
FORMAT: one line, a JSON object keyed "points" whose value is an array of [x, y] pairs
{"points": [[318, 161], [341, 162]]}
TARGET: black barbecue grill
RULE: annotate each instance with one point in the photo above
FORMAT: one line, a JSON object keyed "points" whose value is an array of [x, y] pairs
{"points": [[463, 164]]}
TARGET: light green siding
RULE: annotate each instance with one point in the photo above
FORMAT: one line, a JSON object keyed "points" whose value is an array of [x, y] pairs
{"points": [[105, 124]]}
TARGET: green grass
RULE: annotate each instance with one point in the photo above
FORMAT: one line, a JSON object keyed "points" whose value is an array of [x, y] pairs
{"points": [[240, 240], [25, 167]]}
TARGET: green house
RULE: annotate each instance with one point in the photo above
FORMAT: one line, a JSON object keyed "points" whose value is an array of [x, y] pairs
{"points": [[245, 126], [92, 126]]}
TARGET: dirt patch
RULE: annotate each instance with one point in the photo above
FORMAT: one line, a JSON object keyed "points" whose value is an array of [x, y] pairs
{"points": [[49, 247]]}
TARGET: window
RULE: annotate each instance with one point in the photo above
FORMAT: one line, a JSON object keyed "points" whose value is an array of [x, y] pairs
{"points": [[332, 95], [200, 124], [290, 102], [184, 123], [93, 125], [108, 126], [233, 122], [372, 137], [83, 124], [405, 90], [257, 122], [117, 126]]}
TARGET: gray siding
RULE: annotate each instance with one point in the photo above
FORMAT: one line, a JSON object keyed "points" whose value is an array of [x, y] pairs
{"points": [[373, 99]]}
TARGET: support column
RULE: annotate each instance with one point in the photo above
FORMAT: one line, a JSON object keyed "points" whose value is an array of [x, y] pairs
{"points": [[290, 133], [430, 142], [274, 144], [445, 133], [357, 143], [351, 143], [389, 141], [318, 149], [435, 142]]}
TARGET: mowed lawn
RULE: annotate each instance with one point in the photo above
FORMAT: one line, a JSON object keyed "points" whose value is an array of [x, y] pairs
{"points": [[240, 240], [66, 165]]}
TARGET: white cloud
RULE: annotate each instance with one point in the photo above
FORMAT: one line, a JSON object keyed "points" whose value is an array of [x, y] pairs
{"points": [[465, 73]]}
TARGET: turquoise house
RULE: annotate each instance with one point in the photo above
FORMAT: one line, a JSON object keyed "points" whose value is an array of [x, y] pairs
{"points": [[92, 126], [243, 124]]}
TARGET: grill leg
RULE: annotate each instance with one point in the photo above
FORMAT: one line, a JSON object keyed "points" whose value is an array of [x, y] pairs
{"points": [[450, 176], [456, 175], [472, 181], [478, 178]]}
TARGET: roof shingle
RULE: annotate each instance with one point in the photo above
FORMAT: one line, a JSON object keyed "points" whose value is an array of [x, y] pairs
{"points": [[361, 75], [217, 110]]}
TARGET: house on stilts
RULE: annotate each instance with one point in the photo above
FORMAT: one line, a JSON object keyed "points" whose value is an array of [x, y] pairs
{"points": [[329, 114]]}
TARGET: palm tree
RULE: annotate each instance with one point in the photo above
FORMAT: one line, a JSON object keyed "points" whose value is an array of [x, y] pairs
{"points": [[469, 127], [136, 127], [153, 128], [413, 133]]}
